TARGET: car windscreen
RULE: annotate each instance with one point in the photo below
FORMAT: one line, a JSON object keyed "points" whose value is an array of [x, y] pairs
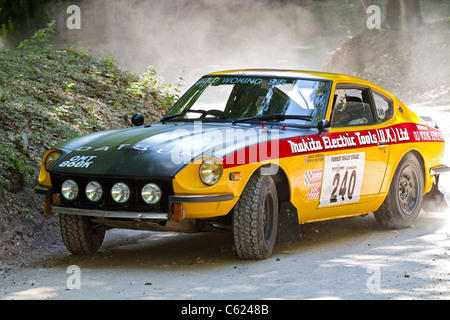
{"points": [[227, 98]]}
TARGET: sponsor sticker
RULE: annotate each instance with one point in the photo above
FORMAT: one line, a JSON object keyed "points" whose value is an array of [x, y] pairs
{"points": [[314, 193], [313, 177], [315, 157]]}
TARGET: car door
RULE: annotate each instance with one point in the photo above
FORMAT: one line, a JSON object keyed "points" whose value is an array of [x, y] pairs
{"points": [[355, 163]]}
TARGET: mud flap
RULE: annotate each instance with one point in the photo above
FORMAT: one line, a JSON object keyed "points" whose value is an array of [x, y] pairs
{"points": [[288, 226], [434, 200]]}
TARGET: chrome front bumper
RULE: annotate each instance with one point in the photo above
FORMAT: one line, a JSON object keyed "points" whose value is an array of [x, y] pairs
{"points": [[111, 214], [142, 215]]}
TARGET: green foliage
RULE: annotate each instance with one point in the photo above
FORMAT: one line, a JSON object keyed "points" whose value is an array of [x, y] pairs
{"points": [[6, 27], [15, 167], [19, 18], [54, 95], [151, 83], [40, 39]]}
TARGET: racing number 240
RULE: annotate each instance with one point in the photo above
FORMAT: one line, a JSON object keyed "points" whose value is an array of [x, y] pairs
{"points": [[344, 188]]}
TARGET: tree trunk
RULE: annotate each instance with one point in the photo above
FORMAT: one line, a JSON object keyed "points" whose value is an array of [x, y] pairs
{"points": [[411, 13], [403, 14]]}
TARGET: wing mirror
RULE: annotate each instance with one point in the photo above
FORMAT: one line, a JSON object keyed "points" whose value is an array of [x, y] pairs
{"points": [[323, 126], [137, 119]]}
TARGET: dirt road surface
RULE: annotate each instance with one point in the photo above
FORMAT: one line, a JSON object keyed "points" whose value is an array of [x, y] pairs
{"points": [[352, 258]]}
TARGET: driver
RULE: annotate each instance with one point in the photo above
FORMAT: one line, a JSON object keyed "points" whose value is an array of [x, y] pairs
{"points": [[340, 103]]}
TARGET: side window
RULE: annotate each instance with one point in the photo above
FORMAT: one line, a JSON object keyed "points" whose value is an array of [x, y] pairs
{"points": [[384, 107], [351, 108]]}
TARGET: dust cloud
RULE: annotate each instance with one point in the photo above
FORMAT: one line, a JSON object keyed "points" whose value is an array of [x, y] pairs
{"points": [[182, 38], [191, 38]]}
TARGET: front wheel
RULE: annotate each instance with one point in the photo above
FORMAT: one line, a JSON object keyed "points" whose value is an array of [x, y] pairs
{"points": [[80, 235], [255, 219], [404, 200]]}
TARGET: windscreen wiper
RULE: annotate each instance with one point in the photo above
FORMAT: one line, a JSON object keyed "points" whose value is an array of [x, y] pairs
{"points": [[180, 114], [278, 117], [172, 117]]}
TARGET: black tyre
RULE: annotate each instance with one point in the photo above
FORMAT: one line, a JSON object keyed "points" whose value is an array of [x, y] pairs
{"points": [[255, 219], [80, 235], [404, 200]]}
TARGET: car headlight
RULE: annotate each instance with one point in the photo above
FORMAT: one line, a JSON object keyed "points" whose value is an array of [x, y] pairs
{"points": [[210, 171], [120, 192], [69, 190], [51, 158], [151, 193], [94, 191]]}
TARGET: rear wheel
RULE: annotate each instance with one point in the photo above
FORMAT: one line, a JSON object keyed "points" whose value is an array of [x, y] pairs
{"points": [[404, 200], [255, 219], [80, 235]]}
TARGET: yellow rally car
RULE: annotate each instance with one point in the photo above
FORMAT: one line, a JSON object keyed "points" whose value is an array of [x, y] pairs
{"points": [[253, 152]]}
